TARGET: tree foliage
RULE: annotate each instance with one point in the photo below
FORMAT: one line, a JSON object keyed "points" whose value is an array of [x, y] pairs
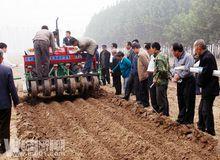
{"points": [[165, 21]]}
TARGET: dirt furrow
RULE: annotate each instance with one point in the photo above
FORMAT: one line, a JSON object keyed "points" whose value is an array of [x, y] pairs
{"points": [[79, 144], [108, 128], [55, 129], [187, 139], [80, 138], [49, 131], [138, 126], [124, 143], [168, 142]]}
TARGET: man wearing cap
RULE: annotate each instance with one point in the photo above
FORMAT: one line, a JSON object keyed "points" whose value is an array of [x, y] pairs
{"points": [[209, 85], [105, 56], [133, 81], [7, 92]]}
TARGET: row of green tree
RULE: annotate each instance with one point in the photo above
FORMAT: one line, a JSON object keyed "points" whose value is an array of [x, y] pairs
{"points": [[166, 21]]}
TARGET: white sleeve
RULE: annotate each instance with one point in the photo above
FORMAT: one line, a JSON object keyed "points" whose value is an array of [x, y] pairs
{"points": [[151, 65]]}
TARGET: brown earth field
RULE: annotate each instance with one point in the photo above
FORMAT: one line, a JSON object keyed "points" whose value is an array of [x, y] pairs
{"points": [[105, 127]]}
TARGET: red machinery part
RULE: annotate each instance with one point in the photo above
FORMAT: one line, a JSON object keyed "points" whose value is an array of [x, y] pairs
{"points": [[61, 55]]}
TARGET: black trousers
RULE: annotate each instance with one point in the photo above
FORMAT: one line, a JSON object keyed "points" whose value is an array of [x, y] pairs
{"points": [[133, 83], [206, 117], [117, 83], [153, 96], [144, 93], [162, 100], [198, 92], [186, 94], [105, 76], [5, 118]]}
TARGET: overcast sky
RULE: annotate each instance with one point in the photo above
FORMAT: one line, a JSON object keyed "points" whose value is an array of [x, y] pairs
{"points": [[20, 19]]}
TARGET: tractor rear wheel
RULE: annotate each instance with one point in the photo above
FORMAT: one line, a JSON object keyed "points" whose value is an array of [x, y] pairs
{"points": [[95, 83], [60, 87], [34, 91], [84, 86], [72, 85], [47, 87]]}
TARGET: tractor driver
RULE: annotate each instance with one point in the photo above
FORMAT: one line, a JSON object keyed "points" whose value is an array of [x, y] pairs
{"points": [[90, 46], [43, 40]]}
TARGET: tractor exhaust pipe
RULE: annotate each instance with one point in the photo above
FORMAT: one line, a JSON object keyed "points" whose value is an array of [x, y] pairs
{"points": [[58, 33]]}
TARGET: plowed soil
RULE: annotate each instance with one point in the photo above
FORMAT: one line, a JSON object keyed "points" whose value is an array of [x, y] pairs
{"points": [[107, 128]]}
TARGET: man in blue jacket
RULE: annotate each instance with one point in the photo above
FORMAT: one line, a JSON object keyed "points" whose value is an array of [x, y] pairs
{"points": [[7, 92], [124, 65]]}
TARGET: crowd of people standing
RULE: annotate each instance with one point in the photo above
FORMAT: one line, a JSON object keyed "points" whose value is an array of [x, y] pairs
{"points": [[146, 73]]}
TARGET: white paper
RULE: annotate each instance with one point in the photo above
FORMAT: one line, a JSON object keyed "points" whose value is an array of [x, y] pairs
{"points": [[151, 66]]}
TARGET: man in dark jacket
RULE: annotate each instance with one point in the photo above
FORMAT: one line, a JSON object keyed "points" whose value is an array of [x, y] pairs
{"points": [[116, 75], [68, 40], [132, 54], [133, 81], [7, 92], [209, 85], [105, 64]]}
